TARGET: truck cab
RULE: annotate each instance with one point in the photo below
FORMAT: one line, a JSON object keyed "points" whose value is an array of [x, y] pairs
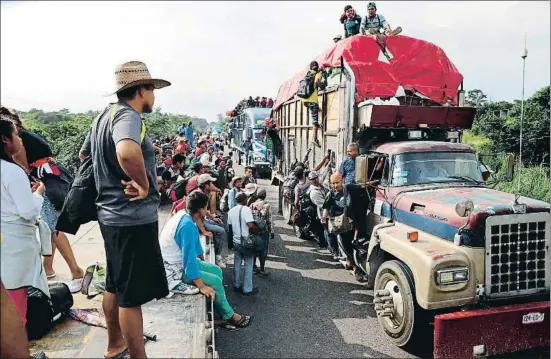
{"points": [[250, 124]]}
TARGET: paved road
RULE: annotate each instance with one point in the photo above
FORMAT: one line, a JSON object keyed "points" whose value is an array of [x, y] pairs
{"points": [[308, 307]]}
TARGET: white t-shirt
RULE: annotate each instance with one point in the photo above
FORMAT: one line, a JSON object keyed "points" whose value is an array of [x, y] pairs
{"points": [[17, 199], [169, 248], [242, 228]]}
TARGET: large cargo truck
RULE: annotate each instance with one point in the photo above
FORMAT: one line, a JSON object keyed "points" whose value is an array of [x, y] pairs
{"points": [[444, 248]]}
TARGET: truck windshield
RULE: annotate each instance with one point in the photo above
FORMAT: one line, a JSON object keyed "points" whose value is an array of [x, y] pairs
{"points": [[435, 167], [258, 136]]}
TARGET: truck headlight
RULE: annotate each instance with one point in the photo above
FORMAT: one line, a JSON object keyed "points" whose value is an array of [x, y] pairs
{"points": [[452, 275]]}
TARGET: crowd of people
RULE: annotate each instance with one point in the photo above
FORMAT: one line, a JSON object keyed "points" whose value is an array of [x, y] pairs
{"points": [[251, 102]]}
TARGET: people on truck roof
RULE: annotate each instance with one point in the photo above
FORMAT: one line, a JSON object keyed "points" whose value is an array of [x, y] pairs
{"points": [[270, 102], [351, 21], [312, 101], [374, 23]]}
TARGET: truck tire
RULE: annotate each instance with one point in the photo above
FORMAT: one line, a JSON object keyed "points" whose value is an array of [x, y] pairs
{"points": [[408, 320]]}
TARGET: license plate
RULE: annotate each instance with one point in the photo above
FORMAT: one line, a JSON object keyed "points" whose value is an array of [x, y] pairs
{"points": [[532, 318]]}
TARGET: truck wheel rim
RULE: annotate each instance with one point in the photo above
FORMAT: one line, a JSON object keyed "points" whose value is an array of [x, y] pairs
{"points": [[397, 319]]}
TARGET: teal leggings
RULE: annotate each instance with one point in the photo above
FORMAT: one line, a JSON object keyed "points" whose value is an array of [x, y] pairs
{"points": [[212, 276]]}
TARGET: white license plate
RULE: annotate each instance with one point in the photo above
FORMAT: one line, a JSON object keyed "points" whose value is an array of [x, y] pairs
{"points": [[531, 318]]}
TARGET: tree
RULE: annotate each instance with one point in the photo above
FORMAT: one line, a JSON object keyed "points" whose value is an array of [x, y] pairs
{"points": [[475, 98]]}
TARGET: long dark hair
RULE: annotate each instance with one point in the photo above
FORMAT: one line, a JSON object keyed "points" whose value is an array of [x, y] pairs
{"points": [[6, 129]]}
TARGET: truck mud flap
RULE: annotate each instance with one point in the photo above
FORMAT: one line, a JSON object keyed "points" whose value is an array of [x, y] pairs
{"points": [[493, 331]]}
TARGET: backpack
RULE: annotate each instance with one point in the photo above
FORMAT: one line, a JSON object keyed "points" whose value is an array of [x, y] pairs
{"points": [[177, 190], [43, 311], [306, 86], [289, 184], [259, 219], [57, 186], [39, 314]]}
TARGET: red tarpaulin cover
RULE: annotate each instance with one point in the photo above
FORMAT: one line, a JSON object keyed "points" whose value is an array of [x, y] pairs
{"points": [[417, 65]]}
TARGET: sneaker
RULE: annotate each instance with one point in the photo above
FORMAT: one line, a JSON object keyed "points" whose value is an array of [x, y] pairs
{"points": [[75, 285], [316, 142], [396, 31], [219, 262], [182, 288]]}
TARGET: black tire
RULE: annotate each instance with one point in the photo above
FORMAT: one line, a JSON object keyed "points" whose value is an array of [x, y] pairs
{"points": [[407, 329]]}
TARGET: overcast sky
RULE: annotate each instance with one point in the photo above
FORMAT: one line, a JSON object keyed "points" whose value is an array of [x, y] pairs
{"points": [[63, 54]]}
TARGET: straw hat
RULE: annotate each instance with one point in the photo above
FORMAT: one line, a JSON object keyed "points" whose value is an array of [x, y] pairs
{"points": [[250, 188], [235, 178], [134, 73]]}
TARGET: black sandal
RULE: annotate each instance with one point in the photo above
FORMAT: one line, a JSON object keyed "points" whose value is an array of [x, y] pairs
{"points": [[226, 326], [122, 355], [244, 322]]}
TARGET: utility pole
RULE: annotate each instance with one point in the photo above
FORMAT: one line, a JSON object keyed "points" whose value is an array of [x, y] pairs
{"points": [[524, 55]]}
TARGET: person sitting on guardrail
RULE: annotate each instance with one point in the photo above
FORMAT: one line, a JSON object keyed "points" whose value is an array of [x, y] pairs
{"points": [[211, 225], [205, 276], [170, 175]]}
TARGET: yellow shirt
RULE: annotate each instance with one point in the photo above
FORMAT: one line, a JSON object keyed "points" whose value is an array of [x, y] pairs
{"points": [[314, 96]]}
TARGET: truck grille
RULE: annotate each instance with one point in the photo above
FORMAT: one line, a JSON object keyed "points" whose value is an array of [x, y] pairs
{"points": [[517, 253]]}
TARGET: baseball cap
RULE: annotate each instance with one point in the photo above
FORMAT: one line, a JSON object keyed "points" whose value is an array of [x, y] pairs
{"points": [[313, 175], [204, 178]]}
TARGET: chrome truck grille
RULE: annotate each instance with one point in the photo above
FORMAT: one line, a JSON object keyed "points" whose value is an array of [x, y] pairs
{"points": [[517, 254]]}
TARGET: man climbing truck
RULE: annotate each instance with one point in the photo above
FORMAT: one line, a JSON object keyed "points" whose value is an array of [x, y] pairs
{"points": [[441, 246]]}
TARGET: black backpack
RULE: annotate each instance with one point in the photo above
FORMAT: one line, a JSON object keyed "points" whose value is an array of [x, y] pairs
{"points": [[178, 190], [306, 86], [41, 310]]}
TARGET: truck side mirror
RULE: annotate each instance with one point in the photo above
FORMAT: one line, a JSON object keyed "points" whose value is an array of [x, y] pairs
{"points": [[464, 208], [509, 174]]}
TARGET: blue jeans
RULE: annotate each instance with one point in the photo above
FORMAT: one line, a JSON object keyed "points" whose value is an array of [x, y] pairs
{"points": [[263, 253], [243, 254], [314, 110], [219, 232]]}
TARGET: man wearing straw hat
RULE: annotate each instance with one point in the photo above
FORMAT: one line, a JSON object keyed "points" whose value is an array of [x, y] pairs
{"points": [[127, 203]]}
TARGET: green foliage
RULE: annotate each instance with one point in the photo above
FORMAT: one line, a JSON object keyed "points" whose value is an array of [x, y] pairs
{"points": [[496, 130], [65, 131], [534, 182]]}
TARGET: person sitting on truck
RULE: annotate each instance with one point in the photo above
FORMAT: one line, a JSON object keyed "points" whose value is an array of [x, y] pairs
{"points": [[196, 271], [348, 166], [374, 23], [247, 147], [250, 102], [263, 101], [270, 103], [351, 21], [312, 102]]}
